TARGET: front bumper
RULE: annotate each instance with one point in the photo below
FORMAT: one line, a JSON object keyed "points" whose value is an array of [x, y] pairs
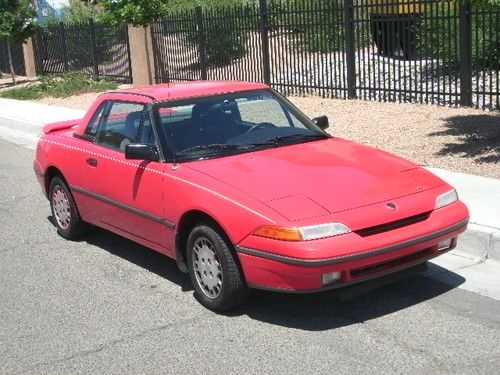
{"points": [[274, 271]]}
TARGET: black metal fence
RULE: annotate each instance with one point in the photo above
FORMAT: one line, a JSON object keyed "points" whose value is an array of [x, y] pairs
{"points": [[426, 51], [17, 58], [87, 48]]}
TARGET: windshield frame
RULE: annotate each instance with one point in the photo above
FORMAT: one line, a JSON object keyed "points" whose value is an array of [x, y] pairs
{"points": [[172, 157]]}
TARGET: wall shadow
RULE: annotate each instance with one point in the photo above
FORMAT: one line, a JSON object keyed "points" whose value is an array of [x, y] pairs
{"points": [[478, 137], [19, 81]]}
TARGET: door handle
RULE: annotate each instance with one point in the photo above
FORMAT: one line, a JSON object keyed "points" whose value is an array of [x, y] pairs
{"points": [[92, 162]]}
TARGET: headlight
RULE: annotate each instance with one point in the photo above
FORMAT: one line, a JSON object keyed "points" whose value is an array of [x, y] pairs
{"points": [[312, 232], [324, 230], [446, 199]]}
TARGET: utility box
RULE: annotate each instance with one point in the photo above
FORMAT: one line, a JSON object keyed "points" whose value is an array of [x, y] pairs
{"points": [[393, 23]]}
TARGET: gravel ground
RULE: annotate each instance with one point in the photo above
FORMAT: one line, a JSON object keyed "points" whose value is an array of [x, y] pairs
{"points": [[459, 139]]}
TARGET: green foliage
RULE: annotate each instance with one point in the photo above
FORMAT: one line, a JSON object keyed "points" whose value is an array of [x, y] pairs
{"points": [[72, 84], [317, 25], [224, 42], [30, 92], [190, 4], [59, 86], [224, 35], [133, 12], [71, 43], [441, 40], [78, 11], [17, 20]]}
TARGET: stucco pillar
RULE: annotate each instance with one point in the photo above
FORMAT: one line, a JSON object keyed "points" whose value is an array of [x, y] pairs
{"points": [[29, 58], [141, 55]]}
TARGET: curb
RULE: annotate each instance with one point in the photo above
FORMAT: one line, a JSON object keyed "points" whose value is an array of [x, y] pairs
{"points": [[481, 243], [20, 125]]}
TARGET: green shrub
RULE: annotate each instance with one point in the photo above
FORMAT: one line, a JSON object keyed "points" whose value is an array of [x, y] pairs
{"points": [[71, 43], [31, 92], [72, 84], [224, 37], [438, 35], [319, 25], [59, 86]]}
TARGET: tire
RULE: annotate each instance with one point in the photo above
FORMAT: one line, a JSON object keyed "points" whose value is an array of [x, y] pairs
{"points": [[65, 214], [213, 268]]}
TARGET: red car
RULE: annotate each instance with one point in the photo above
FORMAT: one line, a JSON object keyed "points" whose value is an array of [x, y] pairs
{"points": [[243, 190]]}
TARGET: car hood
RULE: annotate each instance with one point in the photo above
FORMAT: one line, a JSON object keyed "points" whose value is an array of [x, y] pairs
{"points": [[319, 178]]}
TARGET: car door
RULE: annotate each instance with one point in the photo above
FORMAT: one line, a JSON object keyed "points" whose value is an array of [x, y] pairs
{"points": [[128, 193]]}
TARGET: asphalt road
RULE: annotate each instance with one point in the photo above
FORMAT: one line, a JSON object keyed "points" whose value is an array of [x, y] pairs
{"points": [[106, 305]]}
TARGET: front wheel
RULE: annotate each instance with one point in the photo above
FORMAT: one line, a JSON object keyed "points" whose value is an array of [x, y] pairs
{"points": [[64, 211], [213, 268]]}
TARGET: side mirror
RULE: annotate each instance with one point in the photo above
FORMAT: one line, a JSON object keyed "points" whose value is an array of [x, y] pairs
{"points": [[321, 122], [140, 151]]}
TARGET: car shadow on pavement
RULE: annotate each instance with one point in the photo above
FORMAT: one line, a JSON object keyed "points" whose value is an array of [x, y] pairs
{"points": [[142, 256], [311, 312], [478, 137], [325, 311]]}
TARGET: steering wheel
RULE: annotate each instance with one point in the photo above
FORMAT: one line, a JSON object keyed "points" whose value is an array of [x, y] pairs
{"points": [[262, 125]]}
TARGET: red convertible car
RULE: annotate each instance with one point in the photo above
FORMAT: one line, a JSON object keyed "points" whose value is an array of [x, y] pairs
{"points": [[243, 190]]}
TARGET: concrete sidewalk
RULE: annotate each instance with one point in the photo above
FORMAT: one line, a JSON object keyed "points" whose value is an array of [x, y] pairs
{"points": [[482, 197], [21, 122]]}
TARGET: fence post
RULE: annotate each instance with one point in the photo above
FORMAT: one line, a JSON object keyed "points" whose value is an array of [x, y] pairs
{"points": [[264, 34], [350, 52], [64, 51], [127, 42], [93, 48], [201, 43], [140, 56], [465, 32], [29, 58]]}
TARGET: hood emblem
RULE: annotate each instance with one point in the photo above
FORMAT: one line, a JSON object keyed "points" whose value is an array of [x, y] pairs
{"points": [[391, 206]]}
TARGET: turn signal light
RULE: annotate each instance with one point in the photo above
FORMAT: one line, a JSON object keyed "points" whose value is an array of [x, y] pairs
{"points": [[312, 232], [278, 233]]}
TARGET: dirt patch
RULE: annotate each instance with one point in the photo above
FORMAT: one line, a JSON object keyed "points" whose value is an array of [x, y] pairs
{"points": [[6, 82], [459, 139], [83, 101]]}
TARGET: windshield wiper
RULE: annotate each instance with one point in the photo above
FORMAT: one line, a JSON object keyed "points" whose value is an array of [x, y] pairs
{"points": [[295, 137], [213, 147]]}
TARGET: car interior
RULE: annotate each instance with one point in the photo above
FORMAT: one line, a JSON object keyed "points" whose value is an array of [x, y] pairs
{"points": [[208, 122]]}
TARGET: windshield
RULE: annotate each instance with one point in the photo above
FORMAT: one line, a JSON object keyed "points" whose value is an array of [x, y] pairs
{"points": [[221, 125]]}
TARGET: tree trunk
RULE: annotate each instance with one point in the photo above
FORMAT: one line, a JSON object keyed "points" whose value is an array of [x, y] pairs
{"points": [[11, 65]]}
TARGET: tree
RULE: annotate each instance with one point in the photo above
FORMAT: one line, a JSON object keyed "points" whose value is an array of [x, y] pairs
{"points": [[133, 12], [143, 12], [17, 23], [79, 11]]}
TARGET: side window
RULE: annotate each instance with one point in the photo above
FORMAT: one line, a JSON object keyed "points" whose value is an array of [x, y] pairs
{"points": [[122, 125], [96, 120]]}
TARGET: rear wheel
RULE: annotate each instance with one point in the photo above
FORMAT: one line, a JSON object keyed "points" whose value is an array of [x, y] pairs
{"points": [[214, 271], [64, 211]]}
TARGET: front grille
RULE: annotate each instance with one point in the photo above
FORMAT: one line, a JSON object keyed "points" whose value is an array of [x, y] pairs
{"points": [[393, 224], [376, 268]]}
